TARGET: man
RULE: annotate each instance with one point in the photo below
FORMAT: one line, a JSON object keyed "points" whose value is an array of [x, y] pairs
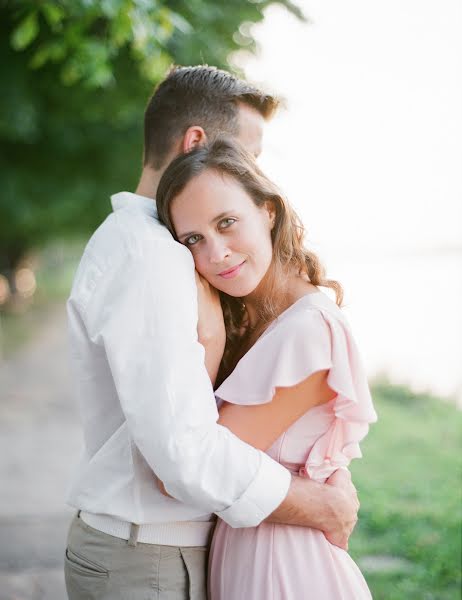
{"points": [[146, 398]]}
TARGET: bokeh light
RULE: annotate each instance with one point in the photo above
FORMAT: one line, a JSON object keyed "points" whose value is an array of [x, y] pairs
{"points": [[25, 282], [5, 291]]}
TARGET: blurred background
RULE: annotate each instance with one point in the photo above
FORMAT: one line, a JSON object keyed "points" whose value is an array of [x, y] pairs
{"points": [[369, 150]]}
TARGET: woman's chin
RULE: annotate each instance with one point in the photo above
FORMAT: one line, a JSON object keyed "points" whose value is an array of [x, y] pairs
{"points": [[239, 290]]}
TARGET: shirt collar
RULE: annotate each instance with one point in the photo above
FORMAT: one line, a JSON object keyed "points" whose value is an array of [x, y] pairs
{"points": [[134, 202]]}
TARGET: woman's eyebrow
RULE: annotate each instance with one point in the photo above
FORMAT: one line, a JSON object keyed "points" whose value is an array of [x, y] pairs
{"points": [[214, 220], [221, 215], [183, 235]]}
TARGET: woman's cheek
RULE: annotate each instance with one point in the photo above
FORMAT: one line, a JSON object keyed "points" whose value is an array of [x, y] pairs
{"points": [[200, 263]]}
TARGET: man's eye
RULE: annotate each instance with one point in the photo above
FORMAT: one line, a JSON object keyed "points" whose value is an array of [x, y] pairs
{"points": [[192, 239], [226, 222]]}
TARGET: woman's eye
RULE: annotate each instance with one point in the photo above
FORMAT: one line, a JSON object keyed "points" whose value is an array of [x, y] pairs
{"points": [[226, 222], [192, 239]]}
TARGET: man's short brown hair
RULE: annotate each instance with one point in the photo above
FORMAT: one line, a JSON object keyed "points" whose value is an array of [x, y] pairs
{"points": [[199, 95]]}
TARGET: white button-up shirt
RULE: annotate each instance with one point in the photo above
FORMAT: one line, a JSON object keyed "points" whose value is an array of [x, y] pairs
{"points": [[146, 400]]}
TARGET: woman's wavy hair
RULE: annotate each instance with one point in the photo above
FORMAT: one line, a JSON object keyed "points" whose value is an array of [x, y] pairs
{"points": [[229, 158]]}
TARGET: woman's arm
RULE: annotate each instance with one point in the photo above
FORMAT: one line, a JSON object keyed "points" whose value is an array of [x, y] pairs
{"points": [[210, 326], [332, 508], [261, 425]]}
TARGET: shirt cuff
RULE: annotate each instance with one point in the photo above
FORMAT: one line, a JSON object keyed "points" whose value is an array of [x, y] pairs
{"points": [[261, 498]]}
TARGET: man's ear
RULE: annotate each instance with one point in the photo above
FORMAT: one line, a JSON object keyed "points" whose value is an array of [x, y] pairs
{"points": [[194, 136]]}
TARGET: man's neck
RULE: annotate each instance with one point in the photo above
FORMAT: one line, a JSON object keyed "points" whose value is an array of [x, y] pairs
{"points": [[148, 183]]}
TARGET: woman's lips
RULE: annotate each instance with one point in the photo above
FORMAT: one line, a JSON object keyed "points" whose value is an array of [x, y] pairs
{"points": [[230, 273]]}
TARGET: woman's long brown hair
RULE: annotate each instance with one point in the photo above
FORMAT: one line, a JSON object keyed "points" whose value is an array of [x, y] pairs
{"points": [[289, 254]]}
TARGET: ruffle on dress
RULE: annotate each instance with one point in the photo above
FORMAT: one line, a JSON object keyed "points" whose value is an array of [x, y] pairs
{"points": [[291, 349], [352, 407], [312, 335]]}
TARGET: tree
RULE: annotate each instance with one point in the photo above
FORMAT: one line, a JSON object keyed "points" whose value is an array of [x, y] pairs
{"points": [[77, 75]]}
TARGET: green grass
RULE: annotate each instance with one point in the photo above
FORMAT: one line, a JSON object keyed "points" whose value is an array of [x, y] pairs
{"points": [[409, 483]]}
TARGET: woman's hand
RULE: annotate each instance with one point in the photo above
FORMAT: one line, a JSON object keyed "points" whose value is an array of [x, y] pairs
{"points": [[210, 326], [161, 486]]}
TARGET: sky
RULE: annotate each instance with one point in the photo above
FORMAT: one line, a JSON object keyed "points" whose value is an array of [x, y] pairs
{"points": [[374, 118], [369, 151]]}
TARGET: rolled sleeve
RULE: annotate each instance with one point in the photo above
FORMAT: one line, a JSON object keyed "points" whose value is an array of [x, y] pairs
{"points": [[266, 492]]}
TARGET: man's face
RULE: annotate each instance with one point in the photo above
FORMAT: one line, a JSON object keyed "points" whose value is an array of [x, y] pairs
{"points": [[251, 125]]}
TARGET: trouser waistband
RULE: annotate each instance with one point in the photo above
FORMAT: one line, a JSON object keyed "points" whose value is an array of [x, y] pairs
{"points": [[175, 533]]}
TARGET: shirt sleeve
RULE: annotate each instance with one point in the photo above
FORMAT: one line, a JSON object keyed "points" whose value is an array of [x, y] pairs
{"points": [[145, 318]]}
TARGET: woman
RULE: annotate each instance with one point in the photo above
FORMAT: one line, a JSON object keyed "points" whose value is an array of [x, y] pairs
{"points": [[291, 382]]}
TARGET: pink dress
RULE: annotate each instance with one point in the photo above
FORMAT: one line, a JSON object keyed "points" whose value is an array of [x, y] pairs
{"points": [[284, 562]]}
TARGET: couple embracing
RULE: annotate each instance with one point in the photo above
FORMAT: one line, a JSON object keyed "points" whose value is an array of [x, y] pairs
{"points": [[221, 391]]}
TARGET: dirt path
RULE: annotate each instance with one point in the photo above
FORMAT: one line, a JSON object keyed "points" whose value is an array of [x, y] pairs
{"points": [[39, 446]]}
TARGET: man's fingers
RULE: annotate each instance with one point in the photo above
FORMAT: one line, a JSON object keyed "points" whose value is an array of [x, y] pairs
{"points": [[340, 477], [336, 540]]}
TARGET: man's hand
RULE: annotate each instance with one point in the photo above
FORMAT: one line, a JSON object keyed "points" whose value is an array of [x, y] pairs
{"points": [[345, 508], [211, 326], [331, 507]]}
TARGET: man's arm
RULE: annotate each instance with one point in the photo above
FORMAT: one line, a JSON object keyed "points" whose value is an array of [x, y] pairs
{"points": [[331, 507]]}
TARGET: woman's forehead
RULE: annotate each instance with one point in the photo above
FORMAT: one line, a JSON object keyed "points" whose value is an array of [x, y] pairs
{"points": [[208, 193]]}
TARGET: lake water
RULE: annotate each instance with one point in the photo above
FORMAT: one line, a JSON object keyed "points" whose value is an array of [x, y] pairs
{"points": [[406, 313]]}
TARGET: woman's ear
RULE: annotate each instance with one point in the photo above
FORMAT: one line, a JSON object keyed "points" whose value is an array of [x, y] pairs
{"points": [[194, 136], [271, 210]]}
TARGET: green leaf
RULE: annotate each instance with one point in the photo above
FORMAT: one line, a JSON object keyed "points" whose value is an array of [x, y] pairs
{"points": [[140, 31], [121, 29], [40, 57], [54, 14], [154, 66], [26, 32], [71, 73], [111, 8], [180, 23], [53, 51], [101, 77]]}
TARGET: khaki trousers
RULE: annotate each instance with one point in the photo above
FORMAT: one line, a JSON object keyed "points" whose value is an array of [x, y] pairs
{"points": [[98, 566]]}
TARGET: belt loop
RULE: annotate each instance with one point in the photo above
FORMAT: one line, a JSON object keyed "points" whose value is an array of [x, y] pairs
{"points": [[133, 539]]}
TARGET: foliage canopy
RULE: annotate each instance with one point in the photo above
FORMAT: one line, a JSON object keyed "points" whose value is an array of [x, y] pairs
{"points": [[77, 76]]}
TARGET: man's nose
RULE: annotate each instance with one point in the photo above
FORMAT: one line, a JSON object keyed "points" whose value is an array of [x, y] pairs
{"points": [[218, 250]]}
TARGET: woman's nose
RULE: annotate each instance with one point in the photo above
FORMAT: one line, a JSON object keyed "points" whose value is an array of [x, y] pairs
{"points": [[218, 251]]}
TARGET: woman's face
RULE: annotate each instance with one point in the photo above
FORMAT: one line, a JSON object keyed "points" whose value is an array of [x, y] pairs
{"points": [[228, 235]]}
